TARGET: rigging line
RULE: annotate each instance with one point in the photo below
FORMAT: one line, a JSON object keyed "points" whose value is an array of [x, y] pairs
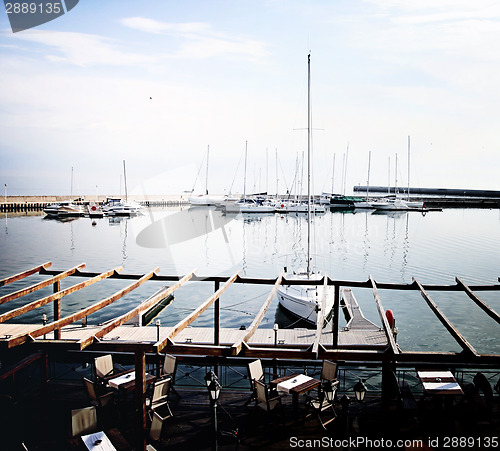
{"points": [[197, 175], [236, 172], [247, 300]]}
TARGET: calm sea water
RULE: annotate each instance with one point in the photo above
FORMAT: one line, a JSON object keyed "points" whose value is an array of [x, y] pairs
{"points": [[434, 248]]}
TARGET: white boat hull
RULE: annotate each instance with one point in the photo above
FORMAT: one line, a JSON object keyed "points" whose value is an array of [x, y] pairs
{"points": [[305, 301]]}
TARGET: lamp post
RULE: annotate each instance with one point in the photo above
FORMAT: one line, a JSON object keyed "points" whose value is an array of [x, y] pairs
{"points": [[214, 388], [344, 402], [158, 324], [275, 328], [329, 391], [359, 390], [44, 322]]}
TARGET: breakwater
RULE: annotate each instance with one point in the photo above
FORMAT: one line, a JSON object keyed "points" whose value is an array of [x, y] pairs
{"points": [[440, 197], [38, 203]]}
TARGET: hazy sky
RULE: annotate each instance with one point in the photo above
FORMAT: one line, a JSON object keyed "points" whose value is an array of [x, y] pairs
{"points": [[154, 83]]}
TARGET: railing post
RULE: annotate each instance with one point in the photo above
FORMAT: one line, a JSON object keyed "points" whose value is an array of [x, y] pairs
{"points": [[140, 401], [57, 309], [216, 324], [335, 322]]}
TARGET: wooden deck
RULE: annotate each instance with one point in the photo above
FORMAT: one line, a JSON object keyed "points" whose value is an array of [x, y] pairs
{"points": [[353, 338]]}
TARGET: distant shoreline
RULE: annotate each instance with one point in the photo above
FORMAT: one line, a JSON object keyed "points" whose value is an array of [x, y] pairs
{"points": [[94, 198]]}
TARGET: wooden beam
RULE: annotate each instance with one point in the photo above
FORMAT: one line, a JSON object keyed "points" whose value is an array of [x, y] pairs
{"points": [[20, 339], [383, 318], [38, 303], [24, 274], [489, 311], [197, 312], [142, 307], [236, 348], [465, 345], [38, 286]]}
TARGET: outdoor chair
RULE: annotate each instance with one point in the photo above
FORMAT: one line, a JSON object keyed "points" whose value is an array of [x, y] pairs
{"points": [[158, 406], [168, 370], [328, 371], [98, 399], [255, 373], [320, 405], [83, 421], [104, 367], [264, 399]]}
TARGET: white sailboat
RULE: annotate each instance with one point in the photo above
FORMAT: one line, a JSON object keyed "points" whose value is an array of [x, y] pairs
{"points": [[366, 203], [249, 205], [115, 206], [305, 301], [203, 200]]}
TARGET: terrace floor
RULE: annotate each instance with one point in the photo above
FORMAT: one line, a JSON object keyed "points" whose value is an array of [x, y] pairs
{"points": [[42, 422]]}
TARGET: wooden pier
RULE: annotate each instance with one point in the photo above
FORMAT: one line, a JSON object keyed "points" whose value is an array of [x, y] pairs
{"points": [[361, 341]]}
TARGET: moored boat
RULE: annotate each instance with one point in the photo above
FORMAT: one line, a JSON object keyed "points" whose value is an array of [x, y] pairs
{"points": [[64, 209]]}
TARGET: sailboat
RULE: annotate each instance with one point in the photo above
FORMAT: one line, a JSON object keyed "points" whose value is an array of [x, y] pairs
{"points": [[366, 203], [249, 204], [203, 200], [115, 206], [305, 301]]}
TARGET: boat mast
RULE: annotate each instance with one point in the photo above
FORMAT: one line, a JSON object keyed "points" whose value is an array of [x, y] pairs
{"points": [[125, 181], [368, 179], [245, 178], [206, 178], [333, 172], [308, 164], [408, 167]]}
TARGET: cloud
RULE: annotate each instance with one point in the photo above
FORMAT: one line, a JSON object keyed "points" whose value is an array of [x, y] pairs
{"points": [[199, 40], [83, 49]]}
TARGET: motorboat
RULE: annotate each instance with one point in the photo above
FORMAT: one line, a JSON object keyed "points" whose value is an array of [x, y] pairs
{"points": [[64, 209], [114, 206], [249, 205]]}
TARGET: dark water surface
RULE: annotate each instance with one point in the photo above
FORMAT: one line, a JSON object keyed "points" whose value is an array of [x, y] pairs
{"points": [[434, 248]]}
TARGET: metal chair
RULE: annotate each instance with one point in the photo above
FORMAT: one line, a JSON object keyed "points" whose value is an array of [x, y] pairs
{"points": [[158, 406], [255, 373], [328, 371], [104, 368], [83, 421], [99, 400], [325, 401], [169, 369], [264, 399]]}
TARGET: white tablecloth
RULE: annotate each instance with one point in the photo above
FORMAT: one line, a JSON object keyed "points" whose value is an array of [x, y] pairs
{"points": [[124, 378], [286, 386], [434, 374], [441, 386], [104, 444]]}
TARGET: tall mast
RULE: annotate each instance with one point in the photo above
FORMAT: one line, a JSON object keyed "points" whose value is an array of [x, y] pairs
{"points": [[333, 172], [408, 167], [368, 178], [206, 178], [308, 164], [125, 180], [245, 178], [396, 178]]}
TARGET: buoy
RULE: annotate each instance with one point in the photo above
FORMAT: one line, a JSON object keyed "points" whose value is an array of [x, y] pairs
{"points": [[390, 318], [94, 208]]}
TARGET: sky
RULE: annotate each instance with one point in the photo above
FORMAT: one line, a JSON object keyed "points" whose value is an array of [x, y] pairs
{"points": [[157, 83]]}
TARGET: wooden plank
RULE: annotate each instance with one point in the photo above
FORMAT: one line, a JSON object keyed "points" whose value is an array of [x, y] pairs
{"points": [[381, 312], [17, 340], [466, 346], [236, 348], [144, 306], [489, 311], [190, 318], [38, 303], [38, 286], [24, 274]]}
